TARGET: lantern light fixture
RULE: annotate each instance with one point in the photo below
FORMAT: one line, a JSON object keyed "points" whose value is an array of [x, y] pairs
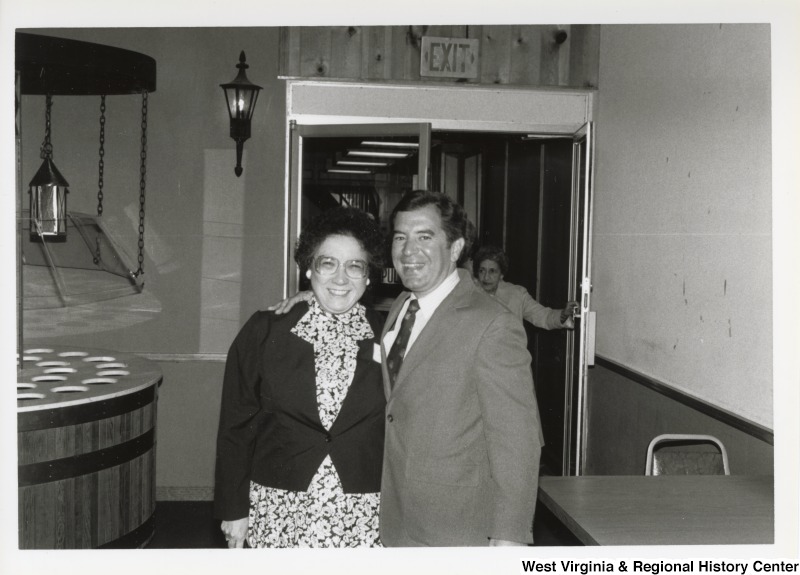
{"points": [[241, 96], [48, 192]]}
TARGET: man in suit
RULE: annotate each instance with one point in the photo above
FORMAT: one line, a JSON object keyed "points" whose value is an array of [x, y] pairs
{"points": [[463, 438]]}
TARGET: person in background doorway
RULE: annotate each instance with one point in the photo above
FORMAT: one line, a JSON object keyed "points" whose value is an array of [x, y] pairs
{"points": [[490, 265], [301, 431]]}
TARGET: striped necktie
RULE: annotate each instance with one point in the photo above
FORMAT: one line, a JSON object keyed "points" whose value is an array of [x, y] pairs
{"points": [[395, 358]]}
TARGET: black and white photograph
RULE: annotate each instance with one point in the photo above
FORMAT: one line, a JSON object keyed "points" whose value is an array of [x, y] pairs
{"points": [[377, 288]]}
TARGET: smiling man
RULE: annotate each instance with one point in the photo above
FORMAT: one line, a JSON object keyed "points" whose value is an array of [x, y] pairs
{"points": [[463, 437]]}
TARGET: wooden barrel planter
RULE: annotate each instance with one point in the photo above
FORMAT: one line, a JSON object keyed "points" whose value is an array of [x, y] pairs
{"points": [[86, 439]]}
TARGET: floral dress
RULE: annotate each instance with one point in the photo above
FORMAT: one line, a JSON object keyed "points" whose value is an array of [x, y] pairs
{"points": [[324, 515]]}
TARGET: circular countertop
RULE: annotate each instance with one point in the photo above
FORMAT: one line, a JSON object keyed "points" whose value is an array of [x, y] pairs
{"points": [[51, 377]]}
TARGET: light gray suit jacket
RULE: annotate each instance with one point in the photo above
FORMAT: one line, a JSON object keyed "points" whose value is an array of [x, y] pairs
{"points": [[463, 438]]}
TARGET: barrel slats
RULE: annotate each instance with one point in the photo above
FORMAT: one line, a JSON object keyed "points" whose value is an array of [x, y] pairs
{"points": [[61, 514], [26, 518], [149, 484], [87, 471], [60, 442], [44, 506], [108, 519], [109, 430], [123, 503], [87, 503], [64, 442], [133, 504]]}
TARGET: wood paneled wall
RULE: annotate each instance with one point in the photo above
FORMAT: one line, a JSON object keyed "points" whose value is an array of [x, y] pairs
{"points": [[624, 415], [541, 55]]}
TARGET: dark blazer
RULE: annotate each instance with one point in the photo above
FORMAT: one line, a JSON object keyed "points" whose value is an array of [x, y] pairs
{"points": [[269, 429], [463, 438]]}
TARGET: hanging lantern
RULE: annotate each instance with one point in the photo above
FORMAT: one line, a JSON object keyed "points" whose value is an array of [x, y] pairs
{"points": [[241, 96], [48, 193]]}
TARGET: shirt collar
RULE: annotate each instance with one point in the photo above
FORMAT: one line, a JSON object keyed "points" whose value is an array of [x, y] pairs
{"points": [[429, 302]]}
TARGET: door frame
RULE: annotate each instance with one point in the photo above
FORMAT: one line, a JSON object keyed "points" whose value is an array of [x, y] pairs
{"points": [[448, 107], [580, 286]]}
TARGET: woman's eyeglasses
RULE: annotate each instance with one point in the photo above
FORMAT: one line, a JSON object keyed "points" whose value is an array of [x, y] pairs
{"points": [[328, 265]]}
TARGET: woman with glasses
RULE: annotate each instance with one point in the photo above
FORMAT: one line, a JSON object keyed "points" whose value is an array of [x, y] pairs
{"points": [[300, 440]]}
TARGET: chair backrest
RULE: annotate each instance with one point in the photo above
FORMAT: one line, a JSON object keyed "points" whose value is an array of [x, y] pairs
{"points": [[688, 461]]}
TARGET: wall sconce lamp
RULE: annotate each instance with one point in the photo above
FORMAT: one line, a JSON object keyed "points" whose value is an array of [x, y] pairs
{"points": [[48, 193], [241, 96]]}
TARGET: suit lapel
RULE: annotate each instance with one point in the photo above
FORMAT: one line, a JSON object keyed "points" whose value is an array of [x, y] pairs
{"points": [[394, 311], [303, 382], [355, 395], [391, 318], [441, 325]]}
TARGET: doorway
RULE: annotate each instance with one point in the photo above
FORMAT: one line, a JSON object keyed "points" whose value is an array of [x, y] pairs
{"points": [[520, 163]]}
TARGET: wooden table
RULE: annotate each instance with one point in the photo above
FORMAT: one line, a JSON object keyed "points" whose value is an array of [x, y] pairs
{"points": [[663, 510]]}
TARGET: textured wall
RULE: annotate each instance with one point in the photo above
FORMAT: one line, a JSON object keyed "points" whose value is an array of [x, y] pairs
{"points": [[682, 223]]}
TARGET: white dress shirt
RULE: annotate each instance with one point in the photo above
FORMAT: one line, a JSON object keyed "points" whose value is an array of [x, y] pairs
{"points": [[427, 305]]}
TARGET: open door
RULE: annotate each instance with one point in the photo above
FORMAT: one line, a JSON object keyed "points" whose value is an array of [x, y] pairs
{"points": [[543, 220], [369, 166], [580, 342]]}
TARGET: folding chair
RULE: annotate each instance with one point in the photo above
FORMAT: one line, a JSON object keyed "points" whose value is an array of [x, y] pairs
{"points": [[686, 454]]}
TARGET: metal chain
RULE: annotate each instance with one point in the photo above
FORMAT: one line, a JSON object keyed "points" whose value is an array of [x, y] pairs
{"points": [[100, 168], [47, 148], [101, 163], [142, 174]]}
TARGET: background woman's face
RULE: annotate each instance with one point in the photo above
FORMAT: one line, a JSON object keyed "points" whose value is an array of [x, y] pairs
{"points": [[489, 275], [338, 292]]}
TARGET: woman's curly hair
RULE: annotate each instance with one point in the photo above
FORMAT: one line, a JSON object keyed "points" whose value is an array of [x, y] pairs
{"points": [[497, 255], [346, 222]]}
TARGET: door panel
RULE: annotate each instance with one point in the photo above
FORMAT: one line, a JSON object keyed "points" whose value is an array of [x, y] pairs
{"points": [[546, 231], [537, 241], [552, 290]]}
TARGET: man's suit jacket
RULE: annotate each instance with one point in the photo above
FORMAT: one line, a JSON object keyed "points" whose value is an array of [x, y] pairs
{"points": [[463, 438], [270, 431]]}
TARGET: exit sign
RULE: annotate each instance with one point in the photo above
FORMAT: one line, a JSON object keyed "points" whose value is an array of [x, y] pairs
{"points": [[449, 57]]}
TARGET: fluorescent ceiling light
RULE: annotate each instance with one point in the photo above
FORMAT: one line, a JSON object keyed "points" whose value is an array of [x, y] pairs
{"points": [[390, 144], [377, 154], [338, 171], [360, 163]]}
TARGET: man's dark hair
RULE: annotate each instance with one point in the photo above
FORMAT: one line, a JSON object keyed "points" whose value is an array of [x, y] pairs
{"points": [[455, 223], [345, 222], [493, 253]]}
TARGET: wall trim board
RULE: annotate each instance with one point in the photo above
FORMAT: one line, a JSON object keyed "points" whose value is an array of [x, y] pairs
{"points": [[183, 357], [735, 421]]}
